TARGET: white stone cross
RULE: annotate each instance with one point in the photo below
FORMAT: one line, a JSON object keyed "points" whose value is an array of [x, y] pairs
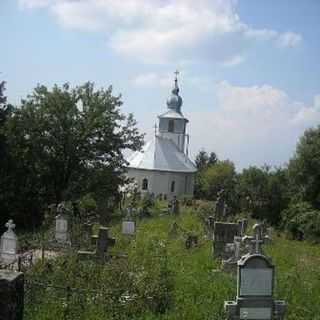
{"points": [[257, 240], [10, 225]]}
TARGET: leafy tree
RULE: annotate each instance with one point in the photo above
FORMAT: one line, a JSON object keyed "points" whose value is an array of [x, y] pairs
{"points": [[263, 192], [202, 161], [304, 167], [67, 142], [5, 160], [221, 175], [302, 221]]}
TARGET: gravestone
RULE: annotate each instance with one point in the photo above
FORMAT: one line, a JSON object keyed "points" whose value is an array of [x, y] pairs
{"points": [[128, 224], [128, 227], [243, 224], [191, 241], [175, 206], [102, 242], [230, 264], [224, 232], [221, 207], [61, 230], [257, 239], [255, 287], [9, 244], [11, 295], [210, 222]]}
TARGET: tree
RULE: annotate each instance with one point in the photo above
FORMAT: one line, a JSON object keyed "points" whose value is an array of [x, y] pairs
{"points": [[218, 176], [5, 160], [202, 161], [68, 142], [304, 168], [263, 192]]}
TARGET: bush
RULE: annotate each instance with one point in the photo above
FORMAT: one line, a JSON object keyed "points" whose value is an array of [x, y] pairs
{"points": [[301, 220]]}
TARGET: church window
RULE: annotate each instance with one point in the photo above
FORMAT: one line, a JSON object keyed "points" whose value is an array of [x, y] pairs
{"points": [[171, 126], [173, 184], [145, 184]]}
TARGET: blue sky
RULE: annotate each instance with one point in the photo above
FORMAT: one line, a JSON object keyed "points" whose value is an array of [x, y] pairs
{"points": [[249, 70]]}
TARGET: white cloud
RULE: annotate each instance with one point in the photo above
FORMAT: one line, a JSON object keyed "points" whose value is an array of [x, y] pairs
{"points": [[30, 4], [155, 31], [252, 125], [233, 61], [289, 39], [151, 80]]}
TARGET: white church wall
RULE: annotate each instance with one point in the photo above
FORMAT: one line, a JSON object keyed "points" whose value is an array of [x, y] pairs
{"points": [[159, 182]]}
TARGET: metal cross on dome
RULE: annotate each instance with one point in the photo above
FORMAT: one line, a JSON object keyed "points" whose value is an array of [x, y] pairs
{"points": [[257, 240], [10, 225], [177, 73]]}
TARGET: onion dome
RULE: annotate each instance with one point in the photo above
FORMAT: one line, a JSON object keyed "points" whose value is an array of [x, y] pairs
{"points": [[174, 102]]}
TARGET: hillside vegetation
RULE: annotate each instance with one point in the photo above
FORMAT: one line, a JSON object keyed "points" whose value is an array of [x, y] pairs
{"points": [[161, 279]]}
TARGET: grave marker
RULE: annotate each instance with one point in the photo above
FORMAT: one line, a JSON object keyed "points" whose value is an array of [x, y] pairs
{"points": [[61, 232], [223, 234], [9, 244], [102, 242], [255, 287]]}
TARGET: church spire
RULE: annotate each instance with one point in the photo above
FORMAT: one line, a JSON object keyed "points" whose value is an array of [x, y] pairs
{"points": [[174, 102]]}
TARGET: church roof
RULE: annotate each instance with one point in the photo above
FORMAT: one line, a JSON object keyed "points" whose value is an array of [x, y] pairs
{"points": [[172, 115], [163, 155]]}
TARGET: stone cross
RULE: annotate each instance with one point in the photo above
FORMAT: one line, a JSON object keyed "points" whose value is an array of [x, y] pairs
{"points": [[10, 225], [257, 240]]}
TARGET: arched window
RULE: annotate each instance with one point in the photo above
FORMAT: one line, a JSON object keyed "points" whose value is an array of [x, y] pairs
{"points": [[145, 184], [173, 184], [171, 126]]}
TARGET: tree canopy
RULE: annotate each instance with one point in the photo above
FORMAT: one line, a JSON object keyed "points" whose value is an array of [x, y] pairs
{"points": [[304, 167], [66, 142]]}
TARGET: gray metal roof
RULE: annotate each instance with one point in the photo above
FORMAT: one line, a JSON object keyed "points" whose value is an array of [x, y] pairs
{"points": [[173, 115], [161, 154]]}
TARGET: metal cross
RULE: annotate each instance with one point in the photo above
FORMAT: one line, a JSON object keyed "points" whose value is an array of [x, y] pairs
{"points": [[257, 240], [10, 225], [176, 73]]}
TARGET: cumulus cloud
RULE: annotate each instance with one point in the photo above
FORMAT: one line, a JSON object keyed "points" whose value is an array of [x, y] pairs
{"points": [[155, 31], [252, 125]]}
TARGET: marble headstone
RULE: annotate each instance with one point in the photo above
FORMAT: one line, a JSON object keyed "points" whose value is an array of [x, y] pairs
{"points": [[61, 232], [128, 227], [9, 244]]}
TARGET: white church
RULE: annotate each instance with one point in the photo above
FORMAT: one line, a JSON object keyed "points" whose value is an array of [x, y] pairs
{"points": [[163, 166]]}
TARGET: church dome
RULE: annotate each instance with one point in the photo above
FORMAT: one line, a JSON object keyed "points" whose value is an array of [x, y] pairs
{"points": [[174, 102]]}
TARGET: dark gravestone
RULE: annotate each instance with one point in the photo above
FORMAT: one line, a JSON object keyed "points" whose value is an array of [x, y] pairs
{"points": [[223, 233], [191, 241], [11, 295]]}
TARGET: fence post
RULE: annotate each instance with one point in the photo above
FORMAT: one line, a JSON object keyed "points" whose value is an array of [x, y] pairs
{"points": [[11, 295]]}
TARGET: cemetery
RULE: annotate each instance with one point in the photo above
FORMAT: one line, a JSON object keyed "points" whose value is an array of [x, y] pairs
{"points": [[144, 270], [130, 190]]}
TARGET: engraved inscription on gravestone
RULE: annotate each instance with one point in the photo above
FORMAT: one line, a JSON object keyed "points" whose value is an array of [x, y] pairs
{"points": [[256, 282]]}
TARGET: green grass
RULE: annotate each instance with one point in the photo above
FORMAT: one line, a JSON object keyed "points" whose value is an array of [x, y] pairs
{"points": [[167, 280]]}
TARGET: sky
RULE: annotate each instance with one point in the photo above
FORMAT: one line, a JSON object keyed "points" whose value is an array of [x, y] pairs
{"points": [[249, 70]]}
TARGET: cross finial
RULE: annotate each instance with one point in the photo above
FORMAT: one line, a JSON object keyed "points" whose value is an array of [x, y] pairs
{"points": [[176, 73], [10, 225]]}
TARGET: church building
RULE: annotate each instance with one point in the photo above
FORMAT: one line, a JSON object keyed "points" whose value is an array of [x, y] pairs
{"points": [[163, 166]]}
